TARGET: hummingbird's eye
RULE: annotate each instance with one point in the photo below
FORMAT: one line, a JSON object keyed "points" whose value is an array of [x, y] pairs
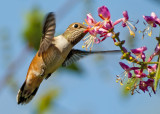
{"points": [[75, 25]]}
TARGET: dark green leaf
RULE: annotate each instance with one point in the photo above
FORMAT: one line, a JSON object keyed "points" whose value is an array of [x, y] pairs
{"points": [[33, 31]]}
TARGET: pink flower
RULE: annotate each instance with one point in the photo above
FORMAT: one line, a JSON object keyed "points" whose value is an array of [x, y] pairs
{"points": [[90, 20], [125, 18], [152, 68], [125, 22], [92, 38], [139, 73], [104, 13], [140, 52], [104, 33], [143, 85], [156, 52], [127, 69], [152, 20]]}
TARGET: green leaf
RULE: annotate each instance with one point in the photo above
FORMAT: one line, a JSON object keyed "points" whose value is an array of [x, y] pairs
{"points": [[45, 101], [157, 76], [32, 32]]}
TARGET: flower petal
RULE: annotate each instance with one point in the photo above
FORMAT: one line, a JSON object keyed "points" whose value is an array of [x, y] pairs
{"points": [[124, 66], [104, 13], [90, 19], [125, 14], [153, 15], [129, 75]]}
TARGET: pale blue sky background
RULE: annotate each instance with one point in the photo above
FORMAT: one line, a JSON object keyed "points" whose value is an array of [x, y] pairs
{"points": [[94, 91]]}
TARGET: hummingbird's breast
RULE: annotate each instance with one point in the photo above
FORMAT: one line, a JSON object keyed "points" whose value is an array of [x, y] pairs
{"points": [[56, 54], [51, 59]]}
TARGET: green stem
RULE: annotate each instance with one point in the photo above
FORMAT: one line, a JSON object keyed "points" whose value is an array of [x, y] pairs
{"points": [[150, 62], [120, 45]]}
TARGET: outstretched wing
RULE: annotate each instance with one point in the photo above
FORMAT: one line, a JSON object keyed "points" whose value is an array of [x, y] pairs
{"points": [[76, 55], [48, 33]]}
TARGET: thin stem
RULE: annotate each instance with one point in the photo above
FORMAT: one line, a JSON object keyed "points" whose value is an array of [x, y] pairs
{"points": [[120, 45], [150, 62]]}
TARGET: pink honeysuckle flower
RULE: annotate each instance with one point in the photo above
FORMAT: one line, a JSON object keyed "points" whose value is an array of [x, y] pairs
{"points": [[152, 68], [125, 18], [107, 25], [150, 83], [104, 34], [125, 22], [95, 28], [139, 52], [89, 40], [156, 52], [143, 85], [139, 73], [90, 20], [104, 13], [152, 20], [92, 38], [127, 69]]}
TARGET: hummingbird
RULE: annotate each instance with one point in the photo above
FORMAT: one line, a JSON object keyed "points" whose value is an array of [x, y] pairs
{"points": [[53, 53]]}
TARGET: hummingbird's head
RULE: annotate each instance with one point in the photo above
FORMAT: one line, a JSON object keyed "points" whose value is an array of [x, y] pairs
{"points": [[75, 32]]}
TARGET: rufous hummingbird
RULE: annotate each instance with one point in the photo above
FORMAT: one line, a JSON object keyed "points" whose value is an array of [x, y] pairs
{"points": [[53, 52]]}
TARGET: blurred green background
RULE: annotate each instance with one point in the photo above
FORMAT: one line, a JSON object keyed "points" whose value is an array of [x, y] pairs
{"points": [[87, 87]]}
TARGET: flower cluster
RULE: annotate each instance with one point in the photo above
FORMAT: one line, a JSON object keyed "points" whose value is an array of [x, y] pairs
{"points": [[141, 75], [104, 28]]}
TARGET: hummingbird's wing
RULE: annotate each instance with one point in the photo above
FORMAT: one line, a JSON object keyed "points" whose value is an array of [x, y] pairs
{"points": [[48, 33], [76, 55]]}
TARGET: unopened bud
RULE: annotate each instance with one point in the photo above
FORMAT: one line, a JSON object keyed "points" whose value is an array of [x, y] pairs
{"points": [[115, 35], [119, 43], [122, 42]]}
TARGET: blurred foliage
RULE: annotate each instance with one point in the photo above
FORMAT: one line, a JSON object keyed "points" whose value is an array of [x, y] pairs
{"points": [[75, 67], [46, 101], [130, 41], [128, 87], [98, 58], [157, 76], [13, 84], [33, 31], [5, 46]]}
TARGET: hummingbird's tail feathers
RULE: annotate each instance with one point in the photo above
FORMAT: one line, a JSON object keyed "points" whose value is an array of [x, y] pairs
{"points": [[48, 76], [25, 95]]}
